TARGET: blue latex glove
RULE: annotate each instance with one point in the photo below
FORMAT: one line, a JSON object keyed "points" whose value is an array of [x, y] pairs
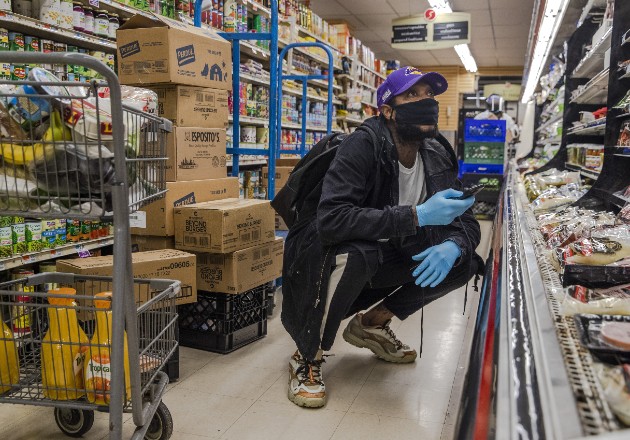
{"points": [[436, 262], [441, 209]]}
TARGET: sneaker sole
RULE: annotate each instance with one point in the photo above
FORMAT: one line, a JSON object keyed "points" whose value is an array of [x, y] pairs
{"points": [[377, 349], [305, 402]]}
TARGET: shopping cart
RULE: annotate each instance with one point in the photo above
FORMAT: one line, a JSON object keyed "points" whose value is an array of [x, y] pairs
{"points": [[68, 151]]}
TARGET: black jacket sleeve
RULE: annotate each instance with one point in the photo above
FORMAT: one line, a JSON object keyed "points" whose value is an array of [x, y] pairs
{"points": [[341, 214]]}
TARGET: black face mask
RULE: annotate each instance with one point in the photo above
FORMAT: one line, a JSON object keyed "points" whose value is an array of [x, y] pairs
{"points": [[423, 112]]}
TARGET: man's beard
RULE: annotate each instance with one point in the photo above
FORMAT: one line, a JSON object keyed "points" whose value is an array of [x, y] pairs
{"points": [[413, 133]]}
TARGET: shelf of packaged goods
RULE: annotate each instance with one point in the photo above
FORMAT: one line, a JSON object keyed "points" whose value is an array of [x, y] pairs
{"points": [[257, 8], [317, 38], [320, 59], [254, 51], [120, 8], [595, 91], [551, 109], [590, 130], [594, 59], [291, 126], [322, 83], [249, 120], [36, 28], [586, 172], [366, 85], [297, 92], [553, 140], [371, 70], [262, 161], [65, 250], [260, 80], [550, 122]]}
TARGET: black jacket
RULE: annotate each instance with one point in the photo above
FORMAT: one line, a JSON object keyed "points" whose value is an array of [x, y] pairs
{"points": [[359, 202]]}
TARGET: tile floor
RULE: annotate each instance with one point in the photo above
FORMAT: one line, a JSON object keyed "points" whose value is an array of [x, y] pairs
{"points": [[242, 395]]}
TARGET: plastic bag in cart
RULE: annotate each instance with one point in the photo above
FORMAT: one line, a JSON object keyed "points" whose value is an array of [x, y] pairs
{"points": [[71, 170]]}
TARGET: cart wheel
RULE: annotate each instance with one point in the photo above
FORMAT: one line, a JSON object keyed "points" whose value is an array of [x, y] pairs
{"points": [[161, 427], [74, 422]]}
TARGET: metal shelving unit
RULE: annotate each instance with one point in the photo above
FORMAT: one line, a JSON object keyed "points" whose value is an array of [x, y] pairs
{"points": [[66, 250], [31, 26]]}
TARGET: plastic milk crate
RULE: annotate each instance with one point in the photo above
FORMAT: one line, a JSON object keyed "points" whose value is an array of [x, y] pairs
{"points": [[223, 322]]}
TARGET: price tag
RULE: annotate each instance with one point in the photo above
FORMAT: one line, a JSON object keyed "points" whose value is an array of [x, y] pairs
{"points": [[27, 259], [84, 253], [94, 3]]}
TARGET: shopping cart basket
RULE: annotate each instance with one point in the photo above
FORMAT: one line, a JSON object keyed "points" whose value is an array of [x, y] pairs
{"points": [[71, 149]]}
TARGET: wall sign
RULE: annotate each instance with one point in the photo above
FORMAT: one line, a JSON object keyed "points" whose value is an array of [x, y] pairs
{"points": [[432, 30]]}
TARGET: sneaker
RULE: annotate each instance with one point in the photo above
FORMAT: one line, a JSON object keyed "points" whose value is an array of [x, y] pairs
{"points": [[380, 339], [306, 384]]}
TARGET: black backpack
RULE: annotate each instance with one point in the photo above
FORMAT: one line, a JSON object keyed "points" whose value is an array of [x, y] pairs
{"points": [[307, 177]]}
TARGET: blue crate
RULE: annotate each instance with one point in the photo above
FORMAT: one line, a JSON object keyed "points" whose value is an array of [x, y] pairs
{"points": [[480, 168], [484, 130]]}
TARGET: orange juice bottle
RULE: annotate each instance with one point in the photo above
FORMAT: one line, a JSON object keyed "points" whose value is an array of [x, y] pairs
{"points": [[9, 362], [98, 360], [63, 349]]}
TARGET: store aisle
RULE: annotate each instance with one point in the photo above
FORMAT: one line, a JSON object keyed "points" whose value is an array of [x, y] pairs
{"points": [[242, 395]]}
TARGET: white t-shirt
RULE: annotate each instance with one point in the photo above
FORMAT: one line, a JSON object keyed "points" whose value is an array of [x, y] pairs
{"points": [[412, 190]]}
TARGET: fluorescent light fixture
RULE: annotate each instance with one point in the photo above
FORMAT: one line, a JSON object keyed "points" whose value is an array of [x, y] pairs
{"points": [[441, 5], [554, 11], [462, 49], [464, 54]]}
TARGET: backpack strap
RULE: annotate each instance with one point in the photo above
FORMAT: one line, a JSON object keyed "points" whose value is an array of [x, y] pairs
{"points": [[378, 150]]}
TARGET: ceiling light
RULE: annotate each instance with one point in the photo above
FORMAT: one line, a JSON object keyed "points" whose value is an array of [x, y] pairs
{"points": [[462, 49], [464, 54], [554, 11]]}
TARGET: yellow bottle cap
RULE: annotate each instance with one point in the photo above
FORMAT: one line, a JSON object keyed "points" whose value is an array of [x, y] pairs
{"points": [[62, 301], [103, 304]]}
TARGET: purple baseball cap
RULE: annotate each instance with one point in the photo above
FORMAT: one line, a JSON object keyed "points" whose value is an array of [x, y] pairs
{"points": [[403, 79]]}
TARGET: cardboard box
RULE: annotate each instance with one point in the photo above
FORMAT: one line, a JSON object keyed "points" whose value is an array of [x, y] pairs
{"points": [[195, 153], [156, 218], [242, 270], [280, 224], [167, 264], [284, 168], [189, 106], [155, 49], [144, 243], [224, 226]]}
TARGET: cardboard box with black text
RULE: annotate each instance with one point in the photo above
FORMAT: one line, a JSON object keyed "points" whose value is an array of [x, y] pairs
{"points": [[224, 225], [188, 106], [156, 218], [169, 264], [284, 168], [242, 270], [195, 153], [155, 49]]}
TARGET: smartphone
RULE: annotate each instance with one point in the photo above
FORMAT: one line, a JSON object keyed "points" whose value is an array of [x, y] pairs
{"points": [[470, 191]]}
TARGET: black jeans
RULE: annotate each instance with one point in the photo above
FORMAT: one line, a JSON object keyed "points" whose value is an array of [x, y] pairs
{"points": [[372, 272]]}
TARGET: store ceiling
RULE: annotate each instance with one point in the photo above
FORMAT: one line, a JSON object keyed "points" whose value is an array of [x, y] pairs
{"points": [[500, 28]]}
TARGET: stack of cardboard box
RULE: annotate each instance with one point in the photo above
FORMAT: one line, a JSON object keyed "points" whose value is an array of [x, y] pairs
{"points": [[284, 167], [190, 69], [236, 241]]}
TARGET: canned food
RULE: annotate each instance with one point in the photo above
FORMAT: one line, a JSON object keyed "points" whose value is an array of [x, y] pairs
{"points": [[73, 231], [18, 72], [6, 241], [86, 230], [4, 39], [16, 42], [31, 44], [18, 274], [5, 71], [48, 268]]}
